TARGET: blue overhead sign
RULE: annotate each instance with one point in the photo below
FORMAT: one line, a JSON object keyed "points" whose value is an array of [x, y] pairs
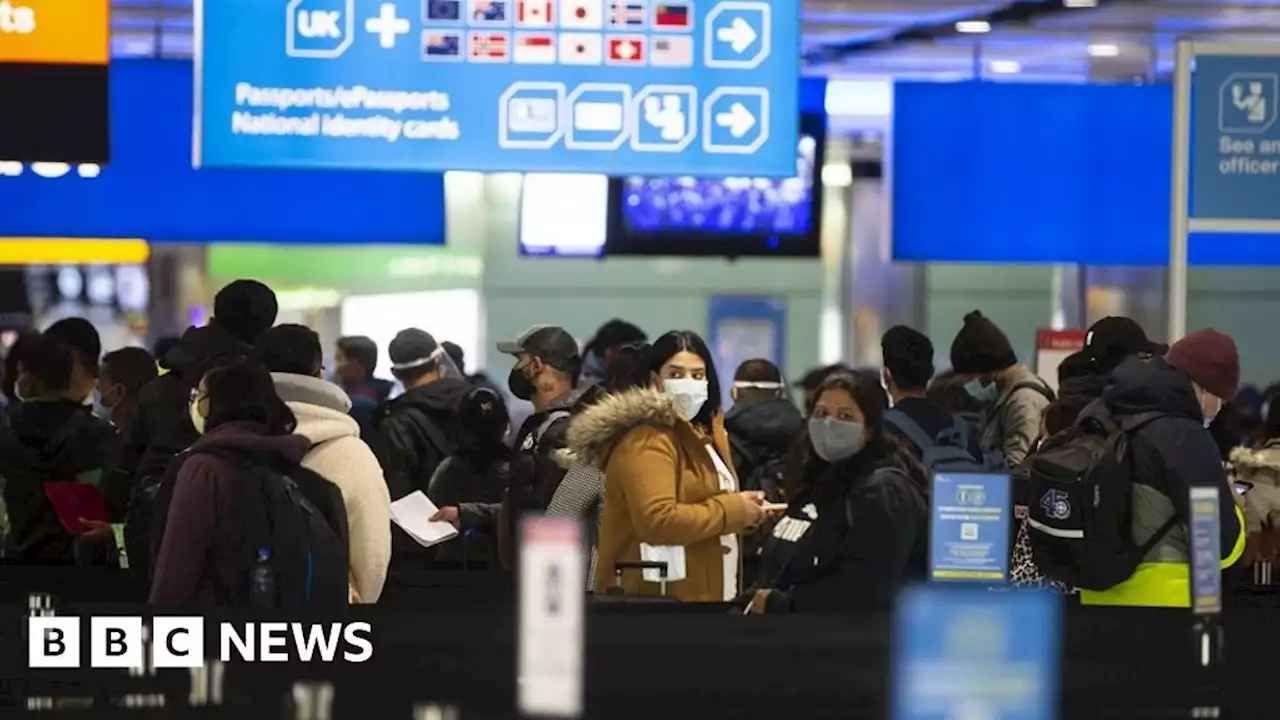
{"points": [[1235, 149], [597, 86]]}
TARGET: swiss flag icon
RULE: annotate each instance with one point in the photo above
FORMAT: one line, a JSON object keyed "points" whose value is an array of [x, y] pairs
{"points": [[626, 50], [535, 13]]}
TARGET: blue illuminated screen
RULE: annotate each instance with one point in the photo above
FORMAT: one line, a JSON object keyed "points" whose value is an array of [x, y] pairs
{"points": [[725, 205]]}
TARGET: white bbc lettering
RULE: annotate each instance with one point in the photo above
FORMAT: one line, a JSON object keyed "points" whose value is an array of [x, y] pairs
{"points": [[243, 643], [316, 638], [53, 642], [319, 23], [353, 637], [272, 638], [177, 642], [115, 642], [17, 19]]}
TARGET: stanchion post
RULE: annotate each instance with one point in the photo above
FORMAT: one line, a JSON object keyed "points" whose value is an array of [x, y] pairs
{"points": [[1179, 187]]}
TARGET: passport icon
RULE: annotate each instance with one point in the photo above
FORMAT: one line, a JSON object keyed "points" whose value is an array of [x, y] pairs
{"points": [[436, 11]]}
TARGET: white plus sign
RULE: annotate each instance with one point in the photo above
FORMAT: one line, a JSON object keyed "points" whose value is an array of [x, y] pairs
{"points": [[387, 26]]}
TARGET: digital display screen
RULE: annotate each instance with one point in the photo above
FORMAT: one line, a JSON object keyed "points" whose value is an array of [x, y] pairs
{"points": [[728, 205], [725, 217]]}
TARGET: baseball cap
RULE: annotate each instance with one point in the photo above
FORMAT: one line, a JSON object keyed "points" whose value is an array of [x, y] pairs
{"points": [[412, 348], [553, 345], [1112, 339]]}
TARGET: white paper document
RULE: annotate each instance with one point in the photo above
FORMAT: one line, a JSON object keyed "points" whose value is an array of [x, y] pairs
{"points": [[411, 513]]}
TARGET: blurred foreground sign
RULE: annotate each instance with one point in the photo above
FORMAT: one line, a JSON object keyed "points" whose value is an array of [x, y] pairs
{"points": [[969, 654]]}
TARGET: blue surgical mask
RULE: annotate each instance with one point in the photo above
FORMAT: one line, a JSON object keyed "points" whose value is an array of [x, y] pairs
{"points": [[690, 395], [982, 392], [835, 440]]}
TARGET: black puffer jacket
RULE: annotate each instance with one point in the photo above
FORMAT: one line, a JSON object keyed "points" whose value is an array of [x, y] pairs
{"points": [[413, 434], [49, 441], [160, 427], [1173, 453], [853, 537], [760, 431]]}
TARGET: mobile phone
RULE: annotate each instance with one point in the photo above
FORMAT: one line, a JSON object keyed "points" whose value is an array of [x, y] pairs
{"points": [[774, 507], [1242, 486]]}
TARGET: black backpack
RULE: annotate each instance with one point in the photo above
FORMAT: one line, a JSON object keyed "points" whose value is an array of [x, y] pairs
{"points": [[948, 452], [292, 514], [759, 468], [1079, 504]]}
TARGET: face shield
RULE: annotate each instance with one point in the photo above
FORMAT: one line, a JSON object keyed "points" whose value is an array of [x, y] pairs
{"points": [[445, 367]]}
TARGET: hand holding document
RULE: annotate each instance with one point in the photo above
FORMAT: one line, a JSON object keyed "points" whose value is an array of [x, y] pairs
{"points": [[413, 514]]}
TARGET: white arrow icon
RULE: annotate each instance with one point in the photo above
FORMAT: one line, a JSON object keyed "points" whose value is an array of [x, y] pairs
{"points": [[740, 35], [739, 120]]}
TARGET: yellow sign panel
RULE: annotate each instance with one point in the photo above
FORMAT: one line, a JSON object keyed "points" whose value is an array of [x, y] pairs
{"points": [[72, 251]]}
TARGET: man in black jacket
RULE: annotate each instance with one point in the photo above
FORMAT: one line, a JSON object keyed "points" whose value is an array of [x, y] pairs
{"points": [[52, 438], [908, 366], [415, 432], [1171, 454], [762, 425], [546, 371], [160, 426]]}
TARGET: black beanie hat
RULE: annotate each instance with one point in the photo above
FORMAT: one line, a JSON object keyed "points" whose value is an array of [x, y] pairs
{"points": [[980, 347], [246, 309]]}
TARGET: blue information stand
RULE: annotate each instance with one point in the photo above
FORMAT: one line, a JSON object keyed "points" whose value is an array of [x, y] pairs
{"points": [[970, 653], [705, 88], [969, 527]]}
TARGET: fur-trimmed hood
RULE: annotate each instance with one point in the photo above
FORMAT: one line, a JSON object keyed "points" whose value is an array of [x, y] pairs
{"points": [[594, 432], [1247, 463]]}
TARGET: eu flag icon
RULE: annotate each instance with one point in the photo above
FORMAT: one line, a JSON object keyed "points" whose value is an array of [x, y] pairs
{"points": [[443, 10]]}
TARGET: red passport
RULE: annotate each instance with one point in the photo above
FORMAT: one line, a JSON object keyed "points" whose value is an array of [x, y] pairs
{"points": [[75, 500]]}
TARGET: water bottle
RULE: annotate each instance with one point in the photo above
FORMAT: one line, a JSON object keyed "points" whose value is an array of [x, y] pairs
{"points": [[263, 592]]}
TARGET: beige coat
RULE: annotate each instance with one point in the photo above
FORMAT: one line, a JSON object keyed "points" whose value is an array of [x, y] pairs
{"points": [[661, 488]]}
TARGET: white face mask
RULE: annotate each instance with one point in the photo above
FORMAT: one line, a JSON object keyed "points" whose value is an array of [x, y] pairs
{"points": [[690, 395]]}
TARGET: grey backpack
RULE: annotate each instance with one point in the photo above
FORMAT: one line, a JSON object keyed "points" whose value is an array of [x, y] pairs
{"points": [[948, 452]]}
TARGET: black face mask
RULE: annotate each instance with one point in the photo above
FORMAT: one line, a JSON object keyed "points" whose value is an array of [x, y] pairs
{"points": [[521, 386]]}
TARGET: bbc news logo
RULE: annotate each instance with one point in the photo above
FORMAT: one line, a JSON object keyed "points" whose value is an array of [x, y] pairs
{"points": [[178, 642]]}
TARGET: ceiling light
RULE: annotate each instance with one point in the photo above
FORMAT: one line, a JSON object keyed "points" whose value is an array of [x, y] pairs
{"points": [[1104, 50], [973, 26], [1005, 67], [1079, 3]]}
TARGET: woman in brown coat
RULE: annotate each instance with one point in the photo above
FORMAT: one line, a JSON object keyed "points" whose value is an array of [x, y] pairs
{"points": [[670, 493]]}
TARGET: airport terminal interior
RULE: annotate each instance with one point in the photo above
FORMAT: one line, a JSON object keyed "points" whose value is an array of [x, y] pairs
{"points": [[858, 358]]}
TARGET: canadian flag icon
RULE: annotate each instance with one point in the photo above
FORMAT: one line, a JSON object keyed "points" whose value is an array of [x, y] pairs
{"points": [[626, 50], [534, 13]]}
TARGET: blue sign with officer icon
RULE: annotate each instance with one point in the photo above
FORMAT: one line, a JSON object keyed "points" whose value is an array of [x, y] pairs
{"points": [[656, 88], [1235, 142]]}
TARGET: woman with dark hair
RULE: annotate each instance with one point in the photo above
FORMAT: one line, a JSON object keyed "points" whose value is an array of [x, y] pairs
{"points": [[473, 482], [856, 526], [581, 493], [201, 558], [670, 494]]}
